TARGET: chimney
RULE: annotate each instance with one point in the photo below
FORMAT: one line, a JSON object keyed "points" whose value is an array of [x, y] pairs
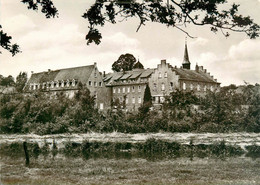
{"points": [[163, 62], [197, 68], [104, 73], [95, 64], [49, 70], [32, 72]]}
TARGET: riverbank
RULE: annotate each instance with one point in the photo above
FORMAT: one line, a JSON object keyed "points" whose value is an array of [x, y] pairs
{"points": [[241, 139]]}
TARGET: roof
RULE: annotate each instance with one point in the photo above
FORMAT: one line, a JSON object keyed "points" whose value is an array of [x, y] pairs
{"points": [[80, 73], [147, 73], [125, 76], [186, 56], [186, 74]]}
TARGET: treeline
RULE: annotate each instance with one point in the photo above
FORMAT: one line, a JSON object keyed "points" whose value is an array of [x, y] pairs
{"points": [[232, 109]]}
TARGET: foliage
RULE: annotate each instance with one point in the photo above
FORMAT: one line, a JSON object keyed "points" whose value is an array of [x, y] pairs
{"points": [[21, 80], [233, 109], [6, 81], [5, 42], [171, 14], [126, 62]]}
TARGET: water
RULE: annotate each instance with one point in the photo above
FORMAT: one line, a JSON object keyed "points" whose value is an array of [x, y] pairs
{"points": [[239, 139]]}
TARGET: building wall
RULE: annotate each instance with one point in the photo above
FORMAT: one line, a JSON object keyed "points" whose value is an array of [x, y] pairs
{"points": [[162, 82], [98, 89], [132, 94]]}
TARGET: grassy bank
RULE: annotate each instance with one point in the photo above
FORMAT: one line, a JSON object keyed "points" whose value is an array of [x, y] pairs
{"points": [[134, 171]]}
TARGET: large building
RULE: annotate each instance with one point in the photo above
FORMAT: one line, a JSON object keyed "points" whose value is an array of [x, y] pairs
{"points": [[126, 87]]}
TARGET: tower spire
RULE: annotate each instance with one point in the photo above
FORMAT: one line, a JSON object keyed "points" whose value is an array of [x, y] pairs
{"points": [[186, 61]]}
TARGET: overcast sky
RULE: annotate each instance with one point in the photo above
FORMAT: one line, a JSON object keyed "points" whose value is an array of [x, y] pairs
{"points": [[60, 43]]}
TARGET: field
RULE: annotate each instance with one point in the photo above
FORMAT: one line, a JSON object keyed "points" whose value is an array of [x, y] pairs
{"points": [[111, 164]]}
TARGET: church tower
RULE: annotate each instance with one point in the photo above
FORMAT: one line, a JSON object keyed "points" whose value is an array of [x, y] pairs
{"points": [[186, 61]]}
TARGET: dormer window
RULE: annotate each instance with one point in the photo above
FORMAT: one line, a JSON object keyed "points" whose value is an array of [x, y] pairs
{"points": [[73, 82], [52, 84], [62, 83]]}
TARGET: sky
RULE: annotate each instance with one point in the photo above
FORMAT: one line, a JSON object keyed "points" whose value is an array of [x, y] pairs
{"points": [[60, 43]]}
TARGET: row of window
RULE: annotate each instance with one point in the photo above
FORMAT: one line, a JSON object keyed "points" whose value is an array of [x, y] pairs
{"points": [[160, 75], [162, 86], [139, 100], [95, 84], [198, 87], [126, 89], [52, 84]]}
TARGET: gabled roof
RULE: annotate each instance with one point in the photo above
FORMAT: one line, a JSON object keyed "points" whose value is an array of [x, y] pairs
{"points": [[80, 73], [186, 74], [147, 73]]}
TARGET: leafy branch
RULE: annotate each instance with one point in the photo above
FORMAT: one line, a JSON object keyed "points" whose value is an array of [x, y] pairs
{"points": [[175, 14]]}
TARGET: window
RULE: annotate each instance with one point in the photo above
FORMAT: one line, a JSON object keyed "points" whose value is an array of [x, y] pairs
{"points": [[68, 83], [184, 86], [123, 89], [154, 87], [133, 89], [133, 100], [205, 88], [126, 100], [118, 90], [89, 83], [139, 100], [191, 86], [120, 99], [52, 84], [95, 84], [165, 75], [163, 87], [62, 83], [139, 88], [160, 75], [101, 107], [128, 89], [171, 86], [114, 90], [211, 88], [198, 87], [100, 84]]}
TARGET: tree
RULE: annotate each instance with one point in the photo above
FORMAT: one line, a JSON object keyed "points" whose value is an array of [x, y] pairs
{"points": [[7, 81], [174, 13], [21, 80], [125, 62], [144, 109], [47, 8]]}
